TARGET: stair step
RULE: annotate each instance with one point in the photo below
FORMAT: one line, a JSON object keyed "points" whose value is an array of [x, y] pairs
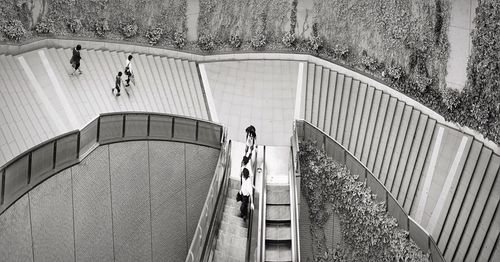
{"points": [[278, 232], [278, 213], [385, 114], [309, 93], [360, 102], [346, 93], [323, 96], [339, 88], [365, 117], [316, 95], [369, 127], [278, 252], [353, 99], [332, 81]]}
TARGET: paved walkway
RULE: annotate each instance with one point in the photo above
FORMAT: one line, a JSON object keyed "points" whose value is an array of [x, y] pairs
{"points": [[459, 36], [192, 13], [259, 93]]}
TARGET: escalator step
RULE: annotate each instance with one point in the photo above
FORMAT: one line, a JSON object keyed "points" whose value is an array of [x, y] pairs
{"points": [[278, 232], [278, 212], [278, 252], [278, 197]]}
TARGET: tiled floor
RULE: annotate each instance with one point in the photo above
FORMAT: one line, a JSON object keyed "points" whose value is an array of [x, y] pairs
{"points": [[259, 93]]}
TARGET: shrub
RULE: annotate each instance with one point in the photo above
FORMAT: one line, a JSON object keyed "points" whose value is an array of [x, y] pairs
{"points": [[129, 30], [259, 41], [393, 72], [369, 62], [100, 26], [450, 98], [289, 39], [421, 83], [45, 26], [341, 51], [74, 25], [235, 41], [14, 30], [293, 16], [180, 39], [315, 44], [154, 35], [206, 42], [368, 232]]}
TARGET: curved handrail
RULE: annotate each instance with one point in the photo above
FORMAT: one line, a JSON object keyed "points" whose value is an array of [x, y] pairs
{"points": [[203, 240], [251, 210], [46, 159], [340, 154]]}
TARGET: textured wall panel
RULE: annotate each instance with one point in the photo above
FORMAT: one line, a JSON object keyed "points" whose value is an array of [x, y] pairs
{"points": [[200, 166], [15, 232], [168, 200], [130, 201], [52, 216], [92, 205]]}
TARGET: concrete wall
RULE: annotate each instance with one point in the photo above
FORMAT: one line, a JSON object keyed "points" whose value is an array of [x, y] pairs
{"points": [[133, 201]]}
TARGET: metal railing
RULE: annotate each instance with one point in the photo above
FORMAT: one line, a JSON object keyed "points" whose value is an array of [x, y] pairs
{"points": [[306, 131], [294, 175], [203, 242], [253, 209], [32, 167]]}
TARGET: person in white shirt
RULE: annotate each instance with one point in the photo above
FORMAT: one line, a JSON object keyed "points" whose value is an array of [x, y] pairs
{"points": [[128, 70], [246, 191]]}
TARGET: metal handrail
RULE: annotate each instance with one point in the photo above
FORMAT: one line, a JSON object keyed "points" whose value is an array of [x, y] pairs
{"points": [[46, 159], [251, 207], [295, 170], [374, 183], [202, 244], [261, 244]]}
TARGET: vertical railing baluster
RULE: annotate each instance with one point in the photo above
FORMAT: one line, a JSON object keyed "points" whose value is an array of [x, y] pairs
{"points": [[124, 122]]}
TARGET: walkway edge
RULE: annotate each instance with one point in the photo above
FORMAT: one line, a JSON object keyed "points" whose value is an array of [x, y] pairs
{"points": [[208, 94]]}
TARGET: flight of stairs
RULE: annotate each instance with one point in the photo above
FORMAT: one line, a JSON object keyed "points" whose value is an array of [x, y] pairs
{"points": [[398, 143], [41, 100], [232, 238], [278, 221]]}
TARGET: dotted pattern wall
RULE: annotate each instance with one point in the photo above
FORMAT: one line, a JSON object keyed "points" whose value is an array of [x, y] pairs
{"points": [[132, 201]]}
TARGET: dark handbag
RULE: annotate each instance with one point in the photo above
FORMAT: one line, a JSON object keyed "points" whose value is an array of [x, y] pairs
{"points": [[239, 197]]}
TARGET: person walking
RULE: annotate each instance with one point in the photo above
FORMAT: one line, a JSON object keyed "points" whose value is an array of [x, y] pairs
{"points": [[118, 84], [128, 71], [246, 194], [75, 60]]}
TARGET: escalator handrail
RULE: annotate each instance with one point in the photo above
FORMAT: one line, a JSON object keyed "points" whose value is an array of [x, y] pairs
{"points": [[261, 244], [202, 243], [251, 208], [293, 196]]}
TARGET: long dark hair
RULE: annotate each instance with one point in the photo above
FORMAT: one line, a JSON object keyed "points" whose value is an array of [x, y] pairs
{"points": [[245, 173], [251, 132]]}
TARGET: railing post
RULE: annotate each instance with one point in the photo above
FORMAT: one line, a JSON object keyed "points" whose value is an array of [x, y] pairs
{"points": [[148, 125], [54, 155], [2, 184], [197, 130], [29, 167], [78, 145], [173, 127], [124, 122], [98, 129]]}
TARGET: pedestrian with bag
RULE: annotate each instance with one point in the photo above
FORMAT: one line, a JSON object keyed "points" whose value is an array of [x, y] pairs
{"points": [[250, 141], [128, 71], [75, 60]]}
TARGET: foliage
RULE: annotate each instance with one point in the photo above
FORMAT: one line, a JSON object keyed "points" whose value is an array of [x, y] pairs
{"points": [[393, 72], [206, 42], [421, 83], [180, 39], [130, 30], [45, 26], [100, 26], [482, 93], [154, 35], [341, 51], [14, 30], [74, 25], [368, 232], [369, 62], [235, 41], [289, 39], [450, 97], [315, 44], [293, 16], [259, 41]]}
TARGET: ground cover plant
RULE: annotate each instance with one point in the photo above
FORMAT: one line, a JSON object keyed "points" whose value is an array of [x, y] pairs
{"points": [[368, 233], [256, 21], [402, 42]]}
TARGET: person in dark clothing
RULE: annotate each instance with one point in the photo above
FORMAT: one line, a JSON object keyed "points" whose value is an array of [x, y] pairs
{"points": [[118, 84], [75, 59]]}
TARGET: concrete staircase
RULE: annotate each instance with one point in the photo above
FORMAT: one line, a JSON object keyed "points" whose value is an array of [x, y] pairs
{"points": [[232, 238], [445, 179], [41, 100]]}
